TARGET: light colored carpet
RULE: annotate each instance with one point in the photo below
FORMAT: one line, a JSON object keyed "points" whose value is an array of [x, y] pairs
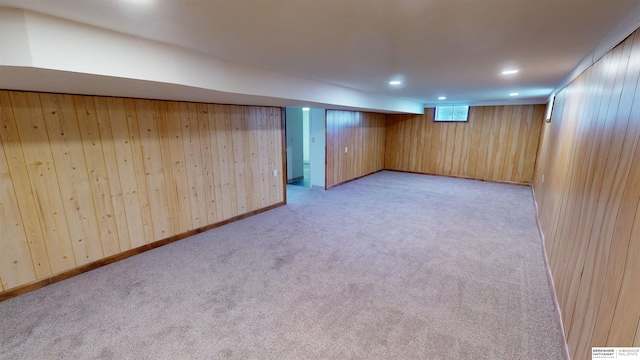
{"points": [[392, 266]]}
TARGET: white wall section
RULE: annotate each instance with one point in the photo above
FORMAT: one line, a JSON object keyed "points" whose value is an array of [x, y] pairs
{"points": [[33, 43], [305, 136], [295, 164], [317, 148], [14, 42]]}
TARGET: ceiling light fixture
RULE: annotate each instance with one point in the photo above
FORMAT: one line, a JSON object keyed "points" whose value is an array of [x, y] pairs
{"points": [[514, 94], [510, 72], [139, 2], [395, 82], [305, 109], [442, 98]]}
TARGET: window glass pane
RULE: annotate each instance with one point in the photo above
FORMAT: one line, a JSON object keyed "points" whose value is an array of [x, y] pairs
{"points": [[460, 113], [444, 112]]}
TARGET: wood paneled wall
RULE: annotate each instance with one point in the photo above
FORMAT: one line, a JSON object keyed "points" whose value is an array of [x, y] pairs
{"points": [[587, 186], [497, 143], [363, 135], [85, 177]]}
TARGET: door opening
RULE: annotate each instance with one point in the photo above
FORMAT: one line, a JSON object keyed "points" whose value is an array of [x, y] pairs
{"points": [[305, 136]]}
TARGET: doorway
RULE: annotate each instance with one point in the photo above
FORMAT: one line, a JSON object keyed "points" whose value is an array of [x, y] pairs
{"points": [[305, 136]]}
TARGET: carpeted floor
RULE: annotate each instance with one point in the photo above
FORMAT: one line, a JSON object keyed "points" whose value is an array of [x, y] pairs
{"points": [[392, 266]]}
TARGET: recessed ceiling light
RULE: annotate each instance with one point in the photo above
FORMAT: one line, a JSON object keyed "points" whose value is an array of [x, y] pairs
{"points": [[442, 98], [510, 72], [305, 109], [514, 94], [395, 82], [138, 2]]}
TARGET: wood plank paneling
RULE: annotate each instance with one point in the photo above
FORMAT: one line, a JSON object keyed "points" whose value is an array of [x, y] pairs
{"points": [[363, 134], [194, 163], [99, 181], [276, 124], [216, 204], [165, 139], [32, 130], [73, 177], [221, 143], [237, 131], [179, 189], [16, 266], [262, 146], [86, 178], [125, 169], [17, 166], [587, 187], [154, 174], [497, 143], [139, 170], [207, 162], [112, 175]]}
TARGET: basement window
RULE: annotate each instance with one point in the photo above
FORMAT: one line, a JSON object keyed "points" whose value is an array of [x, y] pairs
{"points": [[452, 113]]}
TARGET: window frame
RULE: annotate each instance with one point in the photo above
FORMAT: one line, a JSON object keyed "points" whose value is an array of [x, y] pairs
{"points": [[435, 114]]}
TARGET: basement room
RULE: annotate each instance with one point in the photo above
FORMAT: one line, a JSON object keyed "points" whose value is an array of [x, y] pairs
{"points": [[283, 179]]}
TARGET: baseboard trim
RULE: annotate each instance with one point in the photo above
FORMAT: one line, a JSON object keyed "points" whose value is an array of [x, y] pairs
{"points": [[422, 173], [317, 187], [23, 289], [464, 177], [554, 294], [296, 179], [354, 179]]}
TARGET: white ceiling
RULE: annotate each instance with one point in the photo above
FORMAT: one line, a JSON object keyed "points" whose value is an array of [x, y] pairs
{"points": [[453, 48]]}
